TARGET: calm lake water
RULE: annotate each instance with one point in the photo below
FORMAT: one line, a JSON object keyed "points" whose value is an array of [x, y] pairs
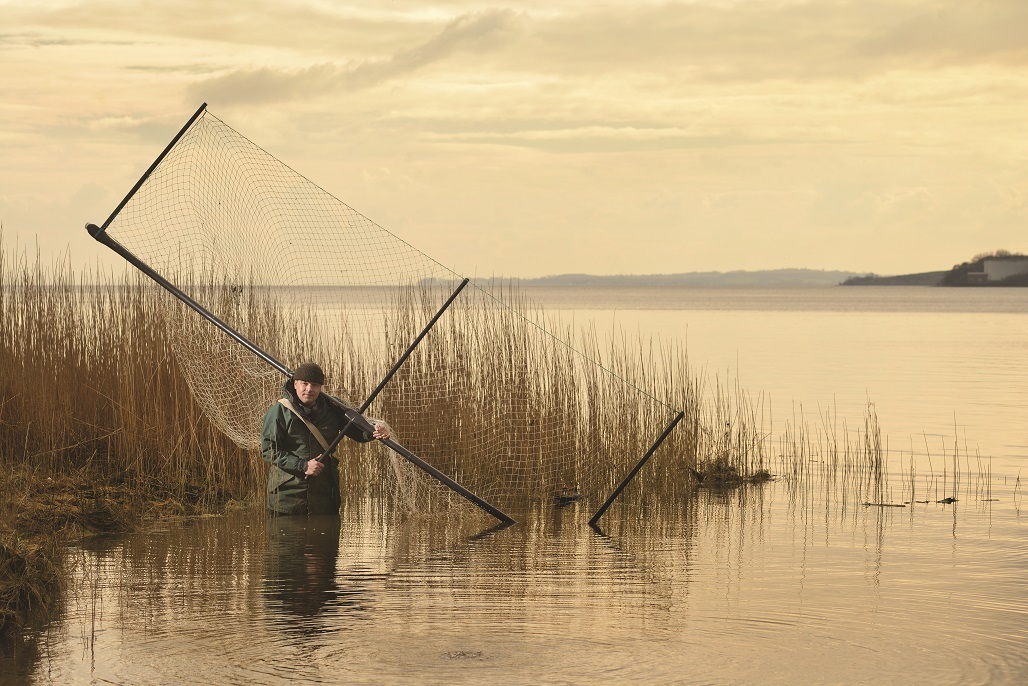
{"points": [[785, 582], [942, 366]]}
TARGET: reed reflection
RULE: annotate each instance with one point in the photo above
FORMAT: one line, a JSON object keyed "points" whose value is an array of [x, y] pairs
{"points": [[18, 654]]}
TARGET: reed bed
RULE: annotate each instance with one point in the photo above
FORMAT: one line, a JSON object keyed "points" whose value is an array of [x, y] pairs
{"points": [[90, 385], [499, 397]]}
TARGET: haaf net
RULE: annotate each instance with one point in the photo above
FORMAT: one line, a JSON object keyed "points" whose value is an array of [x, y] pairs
{"points": [[491, 396]]}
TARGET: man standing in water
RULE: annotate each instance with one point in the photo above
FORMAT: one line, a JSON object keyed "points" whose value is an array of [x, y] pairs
{"points": [[296, 431]]}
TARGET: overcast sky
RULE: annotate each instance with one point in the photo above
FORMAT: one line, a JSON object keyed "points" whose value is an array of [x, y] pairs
{"points": [[534, 138]]}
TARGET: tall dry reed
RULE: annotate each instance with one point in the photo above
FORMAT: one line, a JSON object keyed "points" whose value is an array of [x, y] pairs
{"points": [[90, 384]]}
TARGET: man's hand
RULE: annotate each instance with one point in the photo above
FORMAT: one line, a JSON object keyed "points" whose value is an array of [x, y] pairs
{"points": [[314, 467], [382, 430]]}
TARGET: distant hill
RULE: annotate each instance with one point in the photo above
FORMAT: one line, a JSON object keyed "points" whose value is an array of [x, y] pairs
{"points": [[739, 279]]}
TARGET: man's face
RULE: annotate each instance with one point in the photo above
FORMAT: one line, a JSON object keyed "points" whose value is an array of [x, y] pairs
{"points": [[307, 391]]}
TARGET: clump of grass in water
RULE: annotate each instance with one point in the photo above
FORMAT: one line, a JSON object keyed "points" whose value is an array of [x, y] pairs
{"points": [[37, 517], [720, 472], [31, 580]]}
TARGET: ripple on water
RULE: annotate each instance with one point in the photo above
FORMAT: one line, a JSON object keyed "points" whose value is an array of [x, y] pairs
{"points": [[750, 591]]}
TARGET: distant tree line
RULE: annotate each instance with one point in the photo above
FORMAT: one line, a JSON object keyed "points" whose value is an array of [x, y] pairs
{"points": [[923, 279], [959, 275]]}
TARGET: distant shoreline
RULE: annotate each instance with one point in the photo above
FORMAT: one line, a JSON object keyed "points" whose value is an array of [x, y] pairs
{"points": [[778, 278], [738, 279], [921, 279]]}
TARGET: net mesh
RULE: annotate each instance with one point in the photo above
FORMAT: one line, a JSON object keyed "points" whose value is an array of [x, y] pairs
{"points": [[496, 396]]}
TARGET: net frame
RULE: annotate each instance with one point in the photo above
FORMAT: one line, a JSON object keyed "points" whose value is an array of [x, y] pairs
{"points": [[205, 248]]}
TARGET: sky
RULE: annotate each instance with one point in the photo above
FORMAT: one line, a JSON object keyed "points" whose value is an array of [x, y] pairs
{"points": [[537, 138]]}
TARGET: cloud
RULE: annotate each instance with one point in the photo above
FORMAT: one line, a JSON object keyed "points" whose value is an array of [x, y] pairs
{"points": [[611, 139], [47, 39], [468, 33], [32, 40], [255, 22], [789, 41], [266, 85], [958, 32]]}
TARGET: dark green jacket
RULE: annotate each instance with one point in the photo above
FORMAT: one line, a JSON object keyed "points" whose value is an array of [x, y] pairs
{"points": [[287, 444]]}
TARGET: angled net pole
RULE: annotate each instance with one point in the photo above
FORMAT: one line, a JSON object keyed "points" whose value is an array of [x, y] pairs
{"points": [[98, 233], [635, 470], [353, 416], [412, 346], [146, 175]]}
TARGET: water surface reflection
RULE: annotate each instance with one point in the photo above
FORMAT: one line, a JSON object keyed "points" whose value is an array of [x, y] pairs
{"points": [[762, 583]]}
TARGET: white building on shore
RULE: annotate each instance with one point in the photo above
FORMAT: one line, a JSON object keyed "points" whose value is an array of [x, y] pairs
{"points": [[997, 269]]}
